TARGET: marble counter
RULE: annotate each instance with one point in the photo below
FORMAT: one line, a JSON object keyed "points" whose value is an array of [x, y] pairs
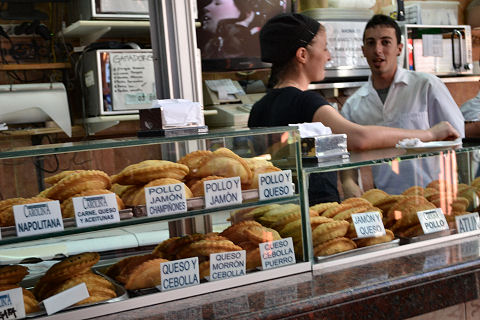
{"points": [[390, 287]]}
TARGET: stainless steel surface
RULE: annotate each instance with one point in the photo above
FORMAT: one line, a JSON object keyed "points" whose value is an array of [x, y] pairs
{"points": [[355, 252], [423, 237]]}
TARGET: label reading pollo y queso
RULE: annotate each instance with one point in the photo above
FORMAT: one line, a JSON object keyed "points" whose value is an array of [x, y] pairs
{"points": [[165, 200], [273, 185], [222, 192], [38, 218], [96, 210]]}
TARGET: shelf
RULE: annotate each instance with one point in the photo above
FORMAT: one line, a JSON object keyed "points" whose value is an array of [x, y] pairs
{"points": [[90, 30], [35, 66]]}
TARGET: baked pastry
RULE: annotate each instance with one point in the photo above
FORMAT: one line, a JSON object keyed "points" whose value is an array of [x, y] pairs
{"points": [[374, 195], [329, 230], [6, 214], [59, 176], [365, 242], [148, 170], [78, 182], [333, 246]]}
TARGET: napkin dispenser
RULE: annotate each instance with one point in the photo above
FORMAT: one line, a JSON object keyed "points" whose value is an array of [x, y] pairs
{"points": [[325, 147], [35, 102], [171, 117]]}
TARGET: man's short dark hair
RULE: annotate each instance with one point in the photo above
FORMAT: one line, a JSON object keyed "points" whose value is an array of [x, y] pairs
{"points": [[384, 21]]}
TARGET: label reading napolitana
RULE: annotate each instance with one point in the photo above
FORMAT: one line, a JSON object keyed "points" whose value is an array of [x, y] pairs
{"points": [[275, 184], [179, 274], [11, 304], [37, 218], [222, 192], [432, 220], [167, 199], [277, 253], [96, 210]]}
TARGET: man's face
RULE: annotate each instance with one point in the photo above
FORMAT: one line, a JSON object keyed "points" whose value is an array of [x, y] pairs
{"points": [[380, 48]]}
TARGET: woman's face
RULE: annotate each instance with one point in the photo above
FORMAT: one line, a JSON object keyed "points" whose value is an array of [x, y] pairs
{"points": [[216, 11], [318, 56]]}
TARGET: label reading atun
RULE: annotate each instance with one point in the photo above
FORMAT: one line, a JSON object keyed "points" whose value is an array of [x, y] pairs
{"points": [[222, 192], [226, 265], [432, 220], [96, 210], [179, 274], [467, 222], [166, 199], [37, 218], [11, 304], [273, 185], [368, 224], [277, 253]]}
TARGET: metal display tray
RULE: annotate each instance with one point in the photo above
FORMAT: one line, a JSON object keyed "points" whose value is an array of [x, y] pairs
{"points": [[119, 290], [358, 251], [67, 223], [423, 237]]}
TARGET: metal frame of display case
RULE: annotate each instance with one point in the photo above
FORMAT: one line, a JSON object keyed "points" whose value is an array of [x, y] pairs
{"points": [[375, 157], [292, 161]]}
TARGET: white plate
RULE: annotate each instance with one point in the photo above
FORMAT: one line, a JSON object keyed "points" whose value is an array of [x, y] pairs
{"points": [[434, 145]]}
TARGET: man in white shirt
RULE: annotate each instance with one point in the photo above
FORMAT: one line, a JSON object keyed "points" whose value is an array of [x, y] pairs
{"points": [[399, 98], [471, 112]]}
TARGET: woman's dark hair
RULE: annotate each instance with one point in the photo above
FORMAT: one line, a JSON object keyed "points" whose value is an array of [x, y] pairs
{"points": [[385, 21]]}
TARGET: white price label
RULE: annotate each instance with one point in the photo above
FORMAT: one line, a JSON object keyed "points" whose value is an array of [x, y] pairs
{"points": [[96, 210], [432, 220], [11, 304], [277, 253], [165, 200], [226, 265], [222, 192], [66, 298], [273, 185], [467, 222], [179, 274], [368, 224], [37, 218]]}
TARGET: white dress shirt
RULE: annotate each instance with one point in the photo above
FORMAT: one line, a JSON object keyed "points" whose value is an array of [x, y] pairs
{"points": [[471, 108], [416, 100]]}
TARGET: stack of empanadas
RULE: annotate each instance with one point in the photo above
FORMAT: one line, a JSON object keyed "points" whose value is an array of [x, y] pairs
{"points": [[10, 277]]}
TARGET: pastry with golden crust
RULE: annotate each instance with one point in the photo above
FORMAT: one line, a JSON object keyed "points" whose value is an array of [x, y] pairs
{"points": [[129, 264], [59, 176], [139, 196], [29, 301], [273, 215], [197, 188], [235, 231], [225, 163], [333, 246], [194, 160], [374, 195], [386, 203], [76, 264], [145, 275], [328, 231], [253, 259], [6, 215], [357, 201], [12, 274], [78, 182], [207, 247], [148, 170], [321, 207], [68, 210], [365, 242]]}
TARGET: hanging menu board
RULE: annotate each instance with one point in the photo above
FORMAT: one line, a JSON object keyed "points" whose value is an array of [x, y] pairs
{"points": [[133, 79]]}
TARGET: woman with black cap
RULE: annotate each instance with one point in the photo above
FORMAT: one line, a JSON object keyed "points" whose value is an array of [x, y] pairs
{"points": [[296, 45]]}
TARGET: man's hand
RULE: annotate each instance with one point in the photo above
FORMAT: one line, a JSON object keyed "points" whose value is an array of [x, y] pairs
{"points": [[443, 131]]}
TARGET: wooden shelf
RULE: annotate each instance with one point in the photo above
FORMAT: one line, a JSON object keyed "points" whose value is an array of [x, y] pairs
{"points": [[35, 66]]}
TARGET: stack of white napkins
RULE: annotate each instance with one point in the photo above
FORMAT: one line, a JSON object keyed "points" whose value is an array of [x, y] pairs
{"points": [[409, 143], [328, 146], [312, 129], [3, 126], [180, 113]]}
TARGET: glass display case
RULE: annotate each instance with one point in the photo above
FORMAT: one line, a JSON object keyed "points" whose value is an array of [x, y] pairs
{"points": [[140, 221], [391, 201]]}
